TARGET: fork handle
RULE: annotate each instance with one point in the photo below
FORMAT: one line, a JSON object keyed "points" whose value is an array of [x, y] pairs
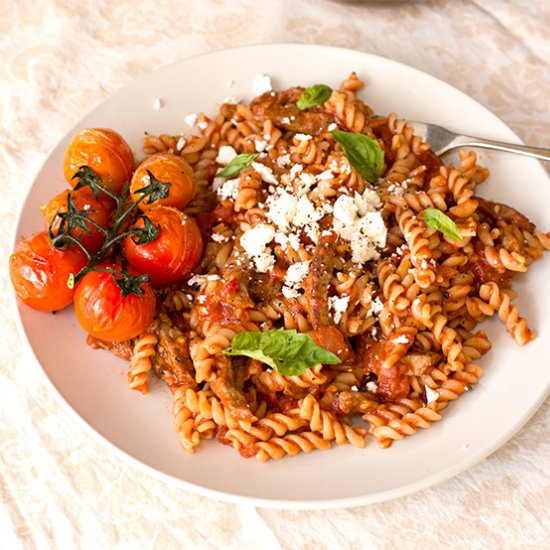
{"points": [[469, 141]]}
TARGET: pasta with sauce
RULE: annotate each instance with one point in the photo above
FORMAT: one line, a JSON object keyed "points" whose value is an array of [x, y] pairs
{"points": [[299, 239]]}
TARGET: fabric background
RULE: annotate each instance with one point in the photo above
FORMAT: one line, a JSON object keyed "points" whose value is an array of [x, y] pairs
{"points": [[59, 488]]}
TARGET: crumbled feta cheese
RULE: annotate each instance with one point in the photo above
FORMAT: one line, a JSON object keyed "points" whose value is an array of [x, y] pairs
{"points": [[282, 209], [372, 387], [332, 126], [401, 339], [226, 189], [354, 388], [219, 238], [265, 172], [283, 161], [191, 119], [296, 273], [254, 242], [303, 137], [202, 125], [294, 241], [260, 145], [180, 144], [357, 221], [285, 120], [289, 292], [196, 280], [337, 306], [326, 175], [231, 100], [431, 395], [157, 103], [261, 84], [226, 154], [376, 306]]}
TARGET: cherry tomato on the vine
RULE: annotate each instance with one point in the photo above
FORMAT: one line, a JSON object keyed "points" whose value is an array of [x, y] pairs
{"points": [[173, 254], [105, 313], [40, 273], [96, 210], [105, 152], [166, 168]]}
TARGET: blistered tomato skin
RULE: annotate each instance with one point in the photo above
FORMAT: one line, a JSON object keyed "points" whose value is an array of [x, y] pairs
{"points": [[39, 272], [96, 210], [105, 152], [105, 313], [166, 168], [173, 254]]}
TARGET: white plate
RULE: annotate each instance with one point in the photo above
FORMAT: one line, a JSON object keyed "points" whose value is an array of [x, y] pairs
{"points": [[94, 385]]}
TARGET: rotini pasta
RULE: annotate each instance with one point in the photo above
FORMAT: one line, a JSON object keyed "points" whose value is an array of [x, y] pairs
{"points": [[301, 239]]}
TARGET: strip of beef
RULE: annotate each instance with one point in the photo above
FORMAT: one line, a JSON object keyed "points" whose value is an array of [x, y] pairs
{"points": [[120, 349], [281, 108], [484, 272], [497, 211], [317, 282], [223, 385]]}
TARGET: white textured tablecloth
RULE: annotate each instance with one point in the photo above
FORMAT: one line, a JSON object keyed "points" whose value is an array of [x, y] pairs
{"points": [[58, 487]]}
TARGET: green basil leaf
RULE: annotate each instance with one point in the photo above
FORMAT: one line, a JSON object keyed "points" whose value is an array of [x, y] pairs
{"points": [[288, 352], [237, 164], [363, 152], [314, 95], [437, 220]]}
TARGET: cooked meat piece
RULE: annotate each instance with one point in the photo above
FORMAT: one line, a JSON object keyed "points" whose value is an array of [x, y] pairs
{"points": [[318, 279], [120, 349], [332, 339], [173, 352], [223, 385], [484, 272], [281, 108], [418, 363], [497, 211]]}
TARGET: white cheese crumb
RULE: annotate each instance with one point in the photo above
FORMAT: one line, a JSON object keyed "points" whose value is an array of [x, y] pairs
{"points": [[283, 161], [289, 292], [261, 84], [282, 209], [254, 242], [431, 395], [202, 125], [219, 238], [191, 119], [376, 306], [226, 189], [229, 83], [354, 388], [231, 100], [401, 339], [285, 120], [372, 387], [180, 144], [326, 175], [338, 306], [265, 172], [226, 154], [332, 126], [296, 273], [260, 145], [303, 137], [157, 103], [196, 280]]}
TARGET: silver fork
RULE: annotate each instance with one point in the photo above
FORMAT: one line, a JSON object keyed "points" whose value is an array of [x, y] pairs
{"points": [[443, 140]]}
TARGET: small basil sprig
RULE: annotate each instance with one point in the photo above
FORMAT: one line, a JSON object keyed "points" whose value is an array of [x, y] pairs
{"points": [[237, 164], [314, 95], [289, 352], [441, 222], [363, 152]]}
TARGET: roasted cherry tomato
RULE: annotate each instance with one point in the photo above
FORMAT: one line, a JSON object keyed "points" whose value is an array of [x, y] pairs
{"points": [[166, 168], [105, 313], [173, 254], [94, 209], [105, 152], [40, 273]]}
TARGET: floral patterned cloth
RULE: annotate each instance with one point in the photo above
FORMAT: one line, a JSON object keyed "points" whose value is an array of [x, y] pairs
{"points": [[59, 488]]}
